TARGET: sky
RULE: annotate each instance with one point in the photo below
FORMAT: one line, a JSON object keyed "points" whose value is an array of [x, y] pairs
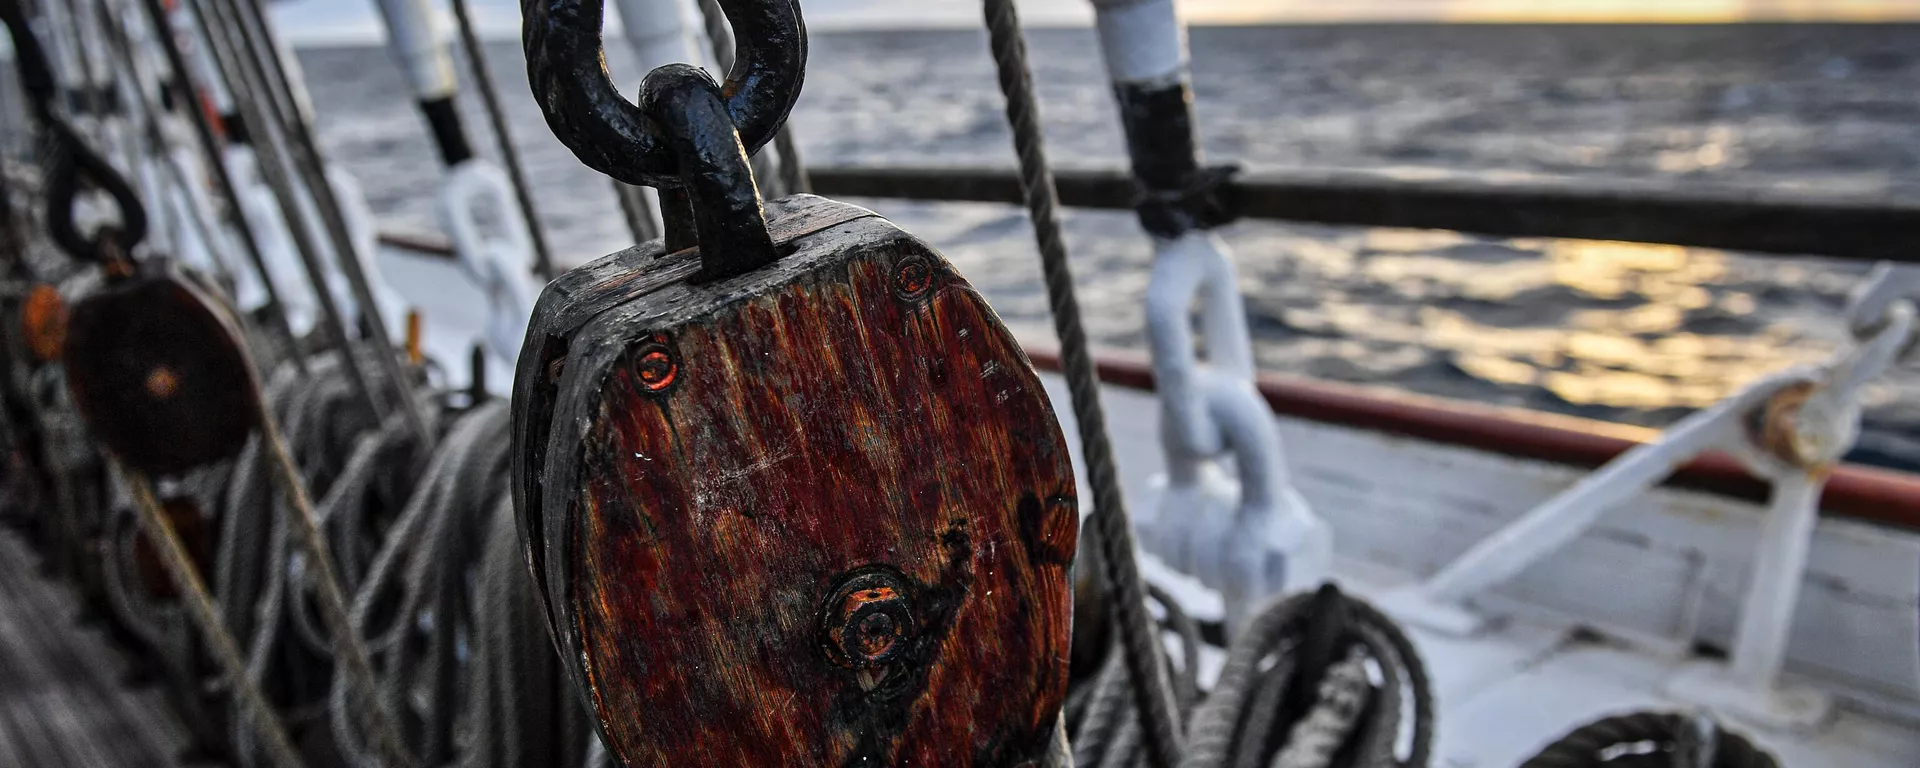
{"points": [[314, 21]]}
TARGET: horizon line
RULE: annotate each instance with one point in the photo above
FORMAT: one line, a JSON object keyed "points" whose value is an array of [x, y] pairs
{"points": [[377, 35]]}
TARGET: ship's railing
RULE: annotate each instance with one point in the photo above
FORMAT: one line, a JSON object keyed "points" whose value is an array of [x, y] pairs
{"points": [[1788, 430], [1852, 227]]}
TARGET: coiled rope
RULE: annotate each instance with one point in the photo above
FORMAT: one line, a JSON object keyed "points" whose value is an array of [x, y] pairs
{"points": [[1250, 720], [412, 601], [226, 651], [1651, 740], [268, 517]]}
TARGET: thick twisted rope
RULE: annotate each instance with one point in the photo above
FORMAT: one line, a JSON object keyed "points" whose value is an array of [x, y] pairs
{"points": [[1589, 745], [1138, 636], [420, 572], [269, 513], [348, 650], [226, 651], [1243, 722]]}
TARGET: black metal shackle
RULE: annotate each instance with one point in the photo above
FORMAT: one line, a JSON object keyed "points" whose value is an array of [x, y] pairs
{"points": [[69, 161], [686, 131]]}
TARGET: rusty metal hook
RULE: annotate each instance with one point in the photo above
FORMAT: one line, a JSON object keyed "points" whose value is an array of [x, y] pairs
{"points": [[566, 67]]}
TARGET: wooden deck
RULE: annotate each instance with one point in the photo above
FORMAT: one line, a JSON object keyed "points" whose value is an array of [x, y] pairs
{"points": [[62, 700]]}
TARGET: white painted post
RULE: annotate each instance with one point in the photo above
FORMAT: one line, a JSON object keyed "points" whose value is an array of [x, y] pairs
{"points": [[1254, 537], [1560, 520], [491, 253], [665, 32], [477, 208], [414, 40], [1821, 431], [1773, 586]]}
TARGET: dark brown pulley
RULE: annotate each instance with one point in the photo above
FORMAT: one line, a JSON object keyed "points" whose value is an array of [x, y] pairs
{"points": [[816, 514], [158, 371]]}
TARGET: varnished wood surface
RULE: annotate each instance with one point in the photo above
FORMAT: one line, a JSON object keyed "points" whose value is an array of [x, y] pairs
{"points": [[62, 701], [585, 293], [820, 514]]}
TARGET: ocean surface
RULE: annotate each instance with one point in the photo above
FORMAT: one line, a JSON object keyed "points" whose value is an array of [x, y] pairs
{"points": [[1632, 333]]}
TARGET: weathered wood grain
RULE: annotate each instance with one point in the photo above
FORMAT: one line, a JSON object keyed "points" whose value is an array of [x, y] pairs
{"points": [[819, 514], [585, 293]]}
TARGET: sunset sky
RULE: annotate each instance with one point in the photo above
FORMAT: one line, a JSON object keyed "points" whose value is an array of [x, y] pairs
{"points": [[338, 20]]}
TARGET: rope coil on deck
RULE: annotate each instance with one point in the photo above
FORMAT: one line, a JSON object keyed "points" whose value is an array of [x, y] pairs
{"points": [[1650, 740]]}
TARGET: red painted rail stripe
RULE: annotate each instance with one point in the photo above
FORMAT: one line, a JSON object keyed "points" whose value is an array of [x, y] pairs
{"points": [[1863, 493]]}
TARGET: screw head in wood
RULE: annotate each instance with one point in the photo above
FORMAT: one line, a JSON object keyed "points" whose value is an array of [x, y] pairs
{"points": [[868, 620]]}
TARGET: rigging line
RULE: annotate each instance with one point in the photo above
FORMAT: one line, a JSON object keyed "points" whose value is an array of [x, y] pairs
{"points": [[333, 602], [1140, 637], [273, 169], [210, 148], [173, 557], [310, 162], [98, 85], [509, 156], [63, 33], [144, 116]]}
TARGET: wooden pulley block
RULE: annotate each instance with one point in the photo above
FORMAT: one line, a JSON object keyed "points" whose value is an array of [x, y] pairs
{"points": [[818, 514], [158, 370]]}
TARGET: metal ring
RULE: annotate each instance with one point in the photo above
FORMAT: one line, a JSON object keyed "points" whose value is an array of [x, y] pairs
{"points": [[70, 161], [566, 68], [729, 222]]}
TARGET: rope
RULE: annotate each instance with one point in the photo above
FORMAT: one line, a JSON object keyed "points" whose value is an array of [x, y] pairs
{"points": [[276, 310], [173, 556], [333, 602], [1241, 723], [1646, 740], [230, 57], [309, 162], [418, 581], [523, 714], [509, 156], [1122, 573], [262, 585]]}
